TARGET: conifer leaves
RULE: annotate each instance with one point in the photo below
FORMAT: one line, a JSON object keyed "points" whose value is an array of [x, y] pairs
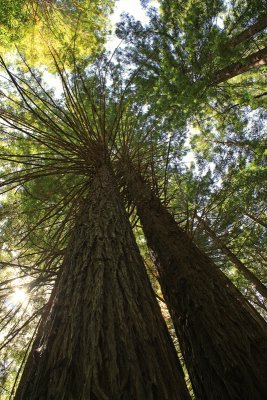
{"points": [[37, 26]]}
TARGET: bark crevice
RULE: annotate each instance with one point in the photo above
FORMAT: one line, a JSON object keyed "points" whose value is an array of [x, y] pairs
{"points": [[222, 338], [105, 337]]}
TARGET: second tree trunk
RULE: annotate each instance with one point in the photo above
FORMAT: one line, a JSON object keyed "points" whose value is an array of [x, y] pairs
{"points": [[223, 341]]}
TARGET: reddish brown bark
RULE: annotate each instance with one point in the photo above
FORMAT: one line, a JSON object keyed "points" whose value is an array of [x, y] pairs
{"points": [[104, 337], [252, 61], [259, 26], [223, 340]]}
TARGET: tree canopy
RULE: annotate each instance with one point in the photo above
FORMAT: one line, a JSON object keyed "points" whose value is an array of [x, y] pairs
{"points": [[34, 27]]}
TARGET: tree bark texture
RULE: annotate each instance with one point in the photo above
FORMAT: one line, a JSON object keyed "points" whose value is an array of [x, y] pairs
{"points": [[252, 61], [259, 286], [104, 337], [223, 343]]}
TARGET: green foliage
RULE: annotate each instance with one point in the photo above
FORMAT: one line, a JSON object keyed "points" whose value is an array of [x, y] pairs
{"points": [[68, 27], [13, 19], [225, 187], [184, 48]]}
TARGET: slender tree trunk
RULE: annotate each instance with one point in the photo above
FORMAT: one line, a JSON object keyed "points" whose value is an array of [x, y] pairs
{"points": [[252, 61], [259, 26], [104, 337], [223, 343], [259, 286], [256, 219]]}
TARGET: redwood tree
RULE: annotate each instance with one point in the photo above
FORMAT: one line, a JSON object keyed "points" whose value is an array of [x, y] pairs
{"points": [[104, 337], [222, 338]]}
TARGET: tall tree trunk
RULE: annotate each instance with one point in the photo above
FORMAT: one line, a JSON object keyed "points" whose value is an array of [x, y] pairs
{"points": [[259, 286], [223, 343], [259, 26], [252, 61], [104, 337]]}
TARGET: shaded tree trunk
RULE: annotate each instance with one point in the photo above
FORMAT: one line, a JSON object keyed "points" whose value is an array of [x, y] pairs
{"points": [[104, 337], [223, 340], [259, 286], [252, 61]]}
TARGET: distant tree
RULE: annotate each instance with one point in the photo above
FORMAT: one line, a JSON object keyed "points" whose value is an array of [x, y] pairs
{"points": [[260, 287], [190, 51]]}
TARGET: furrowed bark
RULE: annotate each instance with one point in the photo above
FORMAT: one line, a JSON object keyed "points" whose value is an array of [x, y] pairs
{"points": [[253, 61], [223, 340], [259, 26], [259, 286], [105, 337]]}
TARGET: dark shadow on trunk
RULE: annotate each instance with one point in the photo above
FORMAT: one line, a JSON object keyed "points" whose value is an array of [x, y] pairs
{"points": [[104, 337], [223, 339]]}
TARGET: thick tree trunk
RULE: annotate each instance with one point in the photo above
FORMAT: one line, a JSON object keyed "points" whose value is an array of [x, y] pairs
{"points": [[104, 337], [259, 26], [252, 61], [259, 286], [223, 343]]}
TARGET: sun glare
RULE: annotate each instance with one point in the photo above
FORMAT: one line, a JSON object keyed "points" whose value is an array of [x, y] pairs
{"points": [[18, 296]]}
